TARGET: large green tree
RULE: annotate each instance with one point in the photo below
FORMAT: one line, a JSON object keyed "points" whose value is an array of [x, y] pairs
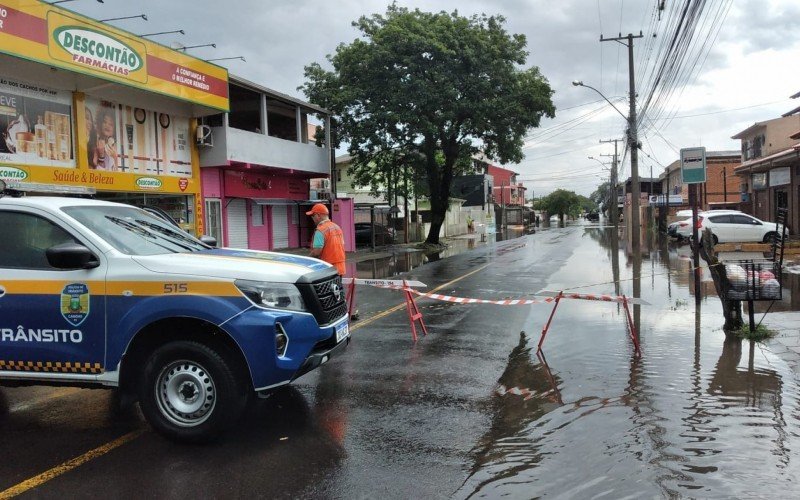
{"points": [[434, 86], [562, 202], [602, 196]]}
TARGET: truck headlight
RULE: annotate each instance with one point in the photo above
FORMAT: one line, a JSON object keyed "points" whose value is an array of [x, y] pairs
{"points": [[279, 295]]}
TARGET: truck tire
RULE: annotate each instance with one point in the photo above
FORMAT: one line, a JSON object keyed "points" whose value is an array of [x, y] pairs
{"points": [[190, 392]]}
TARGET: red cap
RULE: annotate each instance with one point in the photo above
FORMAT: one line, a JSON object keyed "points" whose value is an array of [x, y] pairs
{"points": [[319, 209]]}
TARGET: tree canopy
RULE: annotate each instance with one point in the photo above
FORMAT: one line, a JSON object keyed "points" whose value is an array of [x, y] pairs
{"points": [[433, 89], [562, 202], [602, 195]]}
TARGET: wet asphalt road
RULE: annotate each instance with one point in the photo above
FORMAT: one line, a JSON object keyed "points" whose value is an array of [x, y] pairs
{"points": [[388, 417], [440, 418]]}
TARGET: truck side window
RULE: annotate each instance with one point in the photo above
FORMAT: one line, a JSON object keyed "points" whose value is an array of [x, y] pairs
{"points": [[26, 238]]}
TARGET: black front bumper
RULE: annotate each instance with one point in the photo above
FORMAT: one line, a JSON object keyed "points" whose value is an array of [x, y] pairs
{"points": [[319, 356]]}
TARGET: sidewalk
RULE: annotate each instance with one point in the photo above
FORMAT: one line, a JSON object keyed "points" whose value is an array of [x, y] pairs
{"points": [[786, 343], [455, 245]]}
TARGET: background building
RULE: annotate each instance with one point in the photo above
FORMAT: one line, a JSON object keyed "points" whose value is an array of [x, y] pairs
{"points": [[257, 164]]}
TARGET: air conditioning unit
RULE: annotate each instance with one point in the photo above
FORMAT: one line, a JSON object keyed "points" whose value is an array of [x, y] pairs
{"points": [[204, 137]]}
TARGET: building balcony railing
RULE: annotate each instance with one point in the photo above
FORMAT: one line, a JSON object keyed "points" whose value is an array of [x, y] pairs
{"points": [[241, 146]]}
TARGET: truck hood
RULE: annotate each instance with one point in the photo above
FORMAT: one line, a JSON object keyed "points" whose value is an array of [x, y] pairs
{"points": [[232, 263]]}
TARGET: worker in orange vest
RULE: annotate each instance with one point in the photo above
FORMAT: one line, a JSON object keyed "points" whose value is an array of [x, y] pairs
{"points": [[328, 242]]}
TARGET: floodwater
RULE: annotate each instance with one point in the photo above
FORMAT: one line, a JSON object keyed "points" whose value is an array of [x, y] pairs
{"points": [[405, 259], [697, 415]]}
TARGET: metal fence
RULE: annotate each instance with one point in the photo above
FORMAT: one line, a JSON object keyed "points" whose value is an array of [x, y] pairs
{"points": [[375, 220]]}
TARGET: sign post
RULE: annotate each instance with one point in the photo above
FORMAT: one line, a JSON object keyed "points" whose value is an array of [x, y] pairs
{"points": [[693, 171], [693, 165]]}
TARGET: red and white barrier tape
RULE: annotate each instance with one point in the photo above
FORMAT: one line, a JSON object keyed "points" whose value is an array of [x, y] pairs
{"points": [[548, 296], [517, 391], [464, 300], [593, 296]]}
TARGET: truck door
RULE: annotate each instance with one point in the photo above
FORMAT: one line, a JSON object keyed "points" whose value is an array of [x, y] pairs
{"points": [[51, 320]]}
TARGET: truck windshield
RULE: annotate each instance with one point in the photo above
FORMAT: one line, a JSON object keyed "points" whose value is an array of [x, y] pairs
{"points": [[134, 231]]}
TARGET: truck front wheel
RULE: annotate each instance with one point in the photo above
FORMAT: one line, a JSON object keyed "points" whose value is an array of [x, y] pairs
{"points": [[190, 392]]}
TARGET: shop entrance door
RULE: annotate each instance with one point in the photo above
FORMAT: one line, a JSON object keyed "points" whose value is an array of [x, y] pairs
{"points": [[237, 223], [214, 219], [280, 227], [781, 201]]}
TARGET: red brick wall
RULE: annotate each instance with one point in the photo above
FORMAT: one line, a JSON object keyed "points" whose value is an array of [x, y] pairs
{"points": [[715, 189]]}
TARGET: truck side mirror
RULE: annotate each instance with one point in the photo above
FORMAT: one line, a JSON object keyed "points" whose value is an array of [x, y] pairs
{"points": [[209, 240], [71, 256]]}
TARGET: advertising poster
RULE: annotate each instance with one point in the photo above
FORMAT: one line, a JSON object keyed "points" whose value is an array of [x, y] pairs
{"points": [[136, 140], [102, 131], [36, 125], [139, 141], [176, 155]]}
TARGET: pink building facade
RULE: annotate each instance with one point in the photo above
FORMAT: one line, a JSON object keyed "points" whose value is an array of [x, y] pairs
{"points": [[506, 190]]}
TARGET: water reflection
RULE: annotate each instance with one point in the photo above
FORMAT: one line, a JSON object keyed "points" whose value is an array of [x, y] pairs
{"points": [[699, 415], [745, 387], [403, 259], [526, 390]]}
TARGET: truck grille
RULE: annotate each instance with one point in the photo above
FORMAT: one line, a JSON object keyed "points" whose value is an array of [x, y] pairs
{"points": [[319, 292]]}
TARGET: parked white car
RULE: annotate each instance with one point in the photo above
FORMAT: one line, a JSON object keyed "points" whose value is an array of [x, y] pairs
{"points": [[731, 226], [683, 228], [672, 229]]}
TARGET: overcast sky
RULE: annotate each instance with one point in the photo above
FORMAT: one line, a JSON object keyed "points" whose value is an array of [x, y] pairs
{"points": [[748, 75]]}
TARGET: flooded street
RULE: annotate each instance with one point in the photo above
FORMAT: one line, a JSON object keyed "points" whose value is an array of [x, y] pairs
{"points": [[470, 410], [696, 416]]}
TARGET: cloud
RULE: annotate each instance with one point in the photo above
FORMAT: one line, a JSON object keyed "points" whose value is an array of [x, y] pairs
{"points": [[752, 62]]}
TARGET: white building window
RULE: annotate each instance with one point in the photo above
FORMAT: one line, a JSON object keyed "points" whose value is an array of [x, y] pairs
{"points": [[258, 215]]}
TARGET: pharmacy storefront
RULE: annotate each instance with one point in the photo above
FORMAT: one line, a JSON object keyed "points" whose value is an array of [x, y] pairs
{"points": [[85, 104]]}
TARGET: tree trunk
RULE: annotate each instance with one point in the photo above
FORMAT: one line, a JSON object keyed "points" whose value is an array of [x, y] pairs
{"points": [[439, 179], [731, 308]]}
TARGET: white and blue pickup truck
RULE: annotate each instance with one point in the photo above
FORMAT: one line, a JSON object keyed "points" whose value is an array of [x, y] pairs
{"points": [[101, 294]]}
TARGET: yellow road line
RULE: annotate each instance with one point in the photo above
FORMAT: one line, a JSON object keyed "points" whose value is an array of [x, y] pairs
{"points": [[67, 466], [401, 306]]}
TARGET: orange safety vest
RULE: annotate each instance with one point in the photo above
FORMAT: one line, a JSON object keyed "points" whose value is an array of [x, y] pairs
{"points": [[333, 248]]}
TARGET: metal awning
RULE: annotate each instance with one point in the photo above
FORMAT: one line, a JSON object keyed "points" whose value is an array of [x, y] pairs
{"points": [[775, 159], [273, 201], [286, 201]]}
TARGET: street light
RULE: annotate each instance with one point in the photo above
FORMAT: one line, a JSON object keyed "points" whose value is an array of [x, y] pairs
{"points": [[198, 46], [143, 16], [612, 184], [579, 83], [602, 164], [633, 144], [164, 33], [226, 59]]}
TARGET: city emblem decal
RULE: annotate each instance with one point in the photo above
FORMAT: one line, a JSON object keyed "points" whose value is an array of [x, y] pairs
{"points": [[75, 303]]}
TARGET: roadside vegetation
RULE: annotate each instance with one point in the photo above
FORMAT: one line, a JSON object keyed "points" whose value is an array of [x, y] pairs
{"points": [[419, 93], [761, 333], [565, 203]]}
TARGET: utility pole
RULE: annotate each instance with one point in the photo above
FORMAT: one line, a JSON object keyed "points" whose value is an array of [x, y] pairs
{"points": [[614, 198], [633, 142]]}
